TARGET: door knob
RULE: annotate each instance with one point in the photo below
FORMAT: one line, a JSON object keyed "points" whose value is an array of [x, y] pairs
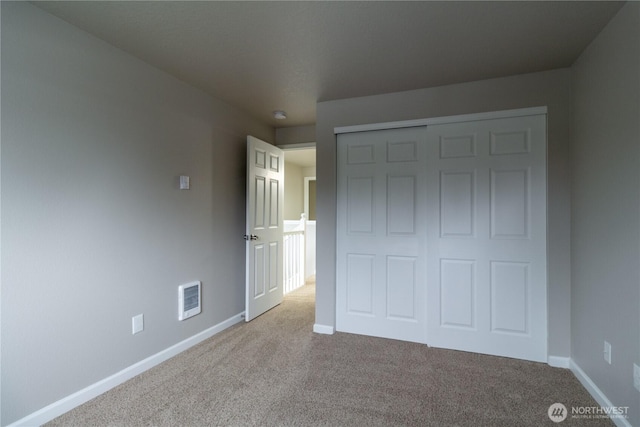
{"points": [[250, 237]]}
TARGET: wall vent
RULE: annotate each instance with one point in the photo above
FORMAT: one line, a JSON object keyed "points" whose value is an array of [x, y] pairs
{"points": [[188, 300]]}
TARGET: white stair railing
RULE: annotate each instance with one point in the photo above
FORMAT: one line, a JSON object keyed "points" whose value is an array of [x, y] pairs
{"points": [[294, 256]]}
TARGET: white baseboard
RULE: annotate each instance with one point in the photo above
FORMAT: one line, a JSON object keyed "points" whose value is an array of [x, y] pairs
{"points": [[78, 398], [559, 362], [323, 329], [596, 393]]}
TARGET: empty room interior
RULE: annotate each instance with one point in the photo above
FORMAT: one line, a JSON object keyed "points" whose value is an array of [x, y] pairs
{"points": [[476, 171]]}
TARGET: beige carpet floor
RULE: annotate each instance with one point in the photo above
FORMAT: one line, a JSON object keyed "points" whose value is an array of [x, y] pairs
{"points": [[274, 371]]}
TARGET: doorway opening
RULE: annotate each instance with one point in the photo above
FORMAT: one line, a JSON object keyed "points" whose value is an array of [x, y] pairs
{"points": [[299, 216]]}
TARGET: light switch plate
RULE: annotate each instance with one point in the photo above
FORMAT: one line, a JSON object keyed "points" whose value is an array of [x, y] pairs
{"points": [[137, 323], [607, 352], [184, 182]]}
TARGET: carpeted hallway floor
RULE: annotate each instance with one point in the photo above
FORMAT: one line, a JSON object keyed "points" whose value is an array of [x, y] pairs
{"points": [[274, 371]]}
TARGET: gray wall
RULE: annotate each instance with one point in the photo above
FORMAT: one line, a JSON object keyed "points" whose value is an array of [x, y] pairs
{"points": [[94, 229], [605, 154], [293, 191], [548, 88], [295, 135]]}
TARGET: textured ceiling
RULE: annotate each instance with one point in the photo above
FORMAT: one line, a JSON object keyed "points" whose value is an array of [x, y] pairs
{"points": [[265, 56]]}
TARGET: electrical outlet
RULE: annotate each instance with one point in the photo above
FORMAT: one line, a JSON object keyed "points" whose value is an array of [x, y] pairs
{"points": [[137, 323], [607, 352], [636, 376]]}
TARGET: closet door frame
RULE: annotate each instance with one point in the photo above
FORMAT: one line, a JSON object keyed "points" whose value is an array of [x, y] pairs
{"points": [[541, 326]]}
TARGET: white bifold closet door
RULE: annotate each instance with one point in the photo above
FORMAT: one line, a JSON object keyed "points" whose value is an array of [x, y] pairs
{"points": [[442, 235]]}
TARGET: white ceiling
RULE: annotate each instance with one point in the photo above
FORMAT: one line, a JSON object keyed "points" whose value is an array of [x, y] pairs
{"points": [[265, 56]]}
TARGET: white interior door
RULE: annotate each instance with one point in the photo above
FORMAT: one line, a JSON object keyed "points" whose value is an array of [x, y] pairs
{"points": [[381, 227], [265, 196], [487, 271]]}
